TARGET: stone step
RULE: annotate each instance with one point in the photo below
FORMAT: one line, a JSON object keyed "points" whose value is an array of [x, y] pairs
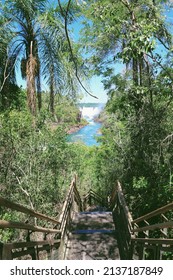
{"points": [[89, 246], [95, 213], [92, 237], [93, 220], [92, 231]]}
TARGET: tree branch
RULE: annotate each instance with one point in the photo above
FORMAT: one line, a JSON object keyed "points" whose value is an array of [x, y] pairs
{"points": [[161, 41], [65, 15], [26, 193], [6, 75], [160, 64], [169, 137]]}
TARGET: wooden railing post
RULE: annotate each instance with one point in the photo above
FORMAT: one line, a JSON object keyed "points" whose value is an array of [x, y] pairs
{"points": [[19, 249], [1, 249], [34, 254], [122, 219], [7, 252], [141, 251]]}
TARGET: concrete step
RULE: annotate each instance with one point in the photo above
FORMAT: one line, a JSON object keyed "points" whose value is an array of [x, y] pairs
{"points": [[93, 237], [92, 231], [97, 246], [93, 220]]}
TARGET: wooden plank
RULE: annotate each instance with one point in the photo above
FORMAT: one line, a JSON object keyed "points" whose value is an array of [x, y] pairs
{"points": [[93, 195], [113, 197], [154, 213], [18, 207], [96, 194], [29, 250], [17, 225], [21, 245], [123, 203], [153, 241], [1, 249], [66, 202], [155, 226], [164, 217], [6, 252], [78, 198]]}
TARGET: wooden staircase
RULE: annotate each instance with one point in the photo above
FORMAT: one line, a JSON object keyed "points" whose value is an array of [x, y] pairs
{"points": [[86, 232], [92, 237]]}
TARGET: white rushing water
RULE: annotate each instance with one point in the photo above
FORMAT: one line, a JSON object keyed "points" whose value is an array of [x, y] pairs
{"points": [[89, 113]]}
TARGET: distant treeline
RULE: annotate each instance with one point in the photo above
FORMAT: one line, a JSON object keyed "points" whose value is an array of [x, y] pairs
{"points": [[91, 104]]}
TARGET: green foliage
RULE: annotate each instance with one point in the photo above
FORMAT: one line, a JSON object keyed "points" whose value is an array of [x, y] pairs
{"points": [[66, 111], [122, 29], [33, 40], [36, 164], [136, 146]]}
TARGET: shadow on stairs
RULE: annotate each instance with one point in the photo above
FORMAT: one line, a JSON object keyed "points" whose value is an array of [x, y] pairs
{"points": [[92, 236]]}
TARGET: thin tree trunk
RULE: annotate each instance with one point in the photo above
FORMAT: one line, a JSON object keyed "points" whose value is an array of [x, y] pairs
{"points": [[141, 68], [39, 97], [135, 71], [52, 97], [30, 77], [149, 81]]}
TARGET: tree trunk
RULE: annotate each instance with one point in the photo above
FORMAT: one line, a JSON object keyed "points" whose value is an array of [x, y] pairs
{"points": [[141, 71], [135, 71], [30, 77], [52, 98], [52, 95], [39, 97]]}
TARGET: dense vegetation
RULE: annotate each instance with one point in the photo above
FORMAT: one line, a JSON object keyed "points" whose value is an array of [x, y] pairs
{"points": [[36, 162], [137, 138]]}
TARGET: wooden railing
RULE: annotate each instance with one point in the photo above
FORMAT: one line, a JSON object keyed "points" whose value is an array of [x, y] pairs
{"points": [[53, 236], [72, 204], [153, 234], [123, 222], [92, 198], [20, 249], [147, 237]]}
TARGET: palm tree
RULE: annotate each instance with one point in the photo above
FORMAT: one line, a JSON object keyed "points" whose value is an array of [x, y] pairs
{"points": [[23, 20], [39, 44], [58, 68]]}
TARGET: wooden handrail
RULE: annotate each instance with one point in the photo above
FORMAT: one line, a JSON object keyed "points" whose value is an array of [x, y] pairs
{"points": [[25, 248], [161, 241], [22, 245], [123, 202], [65, 205], [73, 197], [154, 213], [123, 220], [68, 203], [93, 195], [154, 226], [16, 225], [127, 228], [20, 208], [77, 195]]}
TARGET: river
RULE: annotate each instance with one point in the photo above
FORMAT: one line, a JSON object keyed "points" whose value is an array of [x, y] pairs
{"points": [[90, 132]]}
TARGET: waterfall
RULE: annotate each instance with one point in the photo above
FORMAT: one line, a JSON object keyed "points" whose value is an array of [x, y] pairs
{"points": [[91, 131], [90, 113]]}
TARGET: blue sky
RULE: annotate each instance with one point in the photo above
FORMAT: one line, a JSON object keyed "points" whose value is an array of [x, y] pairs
{"points": [[95, 85]]}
